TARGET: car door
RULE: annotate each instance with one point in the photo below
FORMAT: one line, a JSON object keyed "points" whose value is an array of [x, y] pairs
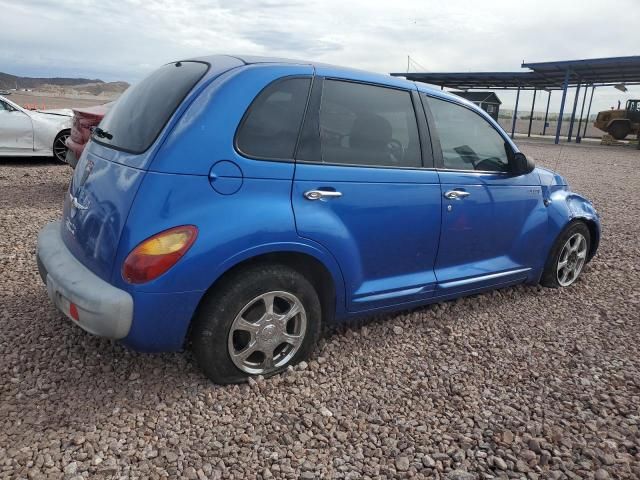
{"points": [[16, 130], [493, 222], [362, 191]]}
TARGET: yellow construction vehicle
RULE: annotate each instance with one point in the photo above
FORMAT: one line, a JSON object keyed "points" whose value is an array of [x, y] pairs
{"points": [[620, 123]]}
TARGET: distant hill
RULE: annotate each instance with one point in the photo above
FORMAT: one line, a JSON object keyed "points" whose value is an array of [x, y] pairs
{"points": [[62, 86]]}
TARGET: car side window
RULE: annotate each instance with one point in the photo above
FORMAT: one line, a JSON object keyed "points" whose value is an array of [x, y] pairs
{"points": [[468, 141], [270, 127], [368, 125]]}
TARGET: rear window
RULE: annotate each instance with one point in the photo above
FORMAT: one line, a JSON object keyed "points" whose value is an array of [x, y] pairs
{"points": [[143, 110]]}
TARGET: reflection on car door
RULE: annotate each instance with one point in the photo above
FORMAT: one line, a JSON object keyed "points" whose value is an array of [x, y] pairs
{"points": [[16, 130], [492, 221], [360, 190]]}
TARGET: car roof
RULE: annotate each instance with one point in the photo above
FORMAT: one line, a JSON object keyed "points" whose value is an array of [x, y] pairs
{"points": [[346, 71]]}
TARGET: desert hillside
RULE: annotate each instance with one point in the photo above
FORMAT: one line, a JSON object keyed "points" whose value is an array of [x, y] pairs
{"points": [[60, 86]]}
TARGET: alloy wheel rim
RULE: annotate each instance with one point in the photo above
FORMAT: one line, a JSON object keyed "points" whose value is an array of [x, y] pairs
{"points": [[59, 147], [267, 332], [571, 259]]}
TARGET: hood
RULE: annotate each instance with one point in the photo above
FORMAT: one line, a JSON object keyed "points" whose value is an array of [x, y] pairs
{"points": [[65, 112], [549, 178]]}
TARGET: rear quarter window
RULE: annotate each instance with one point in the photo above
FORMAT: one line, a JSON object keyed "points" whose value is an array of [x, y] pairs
{"points": [[269, 129], [137, 118]]}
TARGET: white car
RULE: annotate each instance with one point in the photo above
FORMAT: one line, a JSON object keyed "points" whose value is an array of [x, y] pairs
{"points": [[33, 133]]}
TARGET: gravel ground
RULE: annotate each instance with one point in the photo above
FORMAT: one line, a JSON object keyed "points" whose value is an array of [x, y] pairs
{"points": [[523, 382], [44, 101]]}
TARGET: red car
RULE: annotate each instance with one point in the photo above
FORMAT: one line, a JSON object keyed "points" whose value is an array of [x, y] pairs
{"points": [[84, 119]]}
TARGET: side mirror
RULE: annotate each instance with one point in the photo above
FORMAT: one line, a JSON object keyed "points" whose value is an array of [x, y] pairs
{"points": [[521, 164]]}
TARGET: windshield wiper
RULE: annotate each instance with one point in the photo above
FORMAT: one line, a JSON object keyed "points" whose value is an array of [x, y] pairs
{"points": [[102, 133]]}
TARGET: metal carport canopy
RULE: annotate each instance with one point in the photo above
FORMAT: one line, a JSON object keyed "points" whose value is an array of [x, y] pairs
{"points": [[557, 75], [595, 71], [489, 80]]}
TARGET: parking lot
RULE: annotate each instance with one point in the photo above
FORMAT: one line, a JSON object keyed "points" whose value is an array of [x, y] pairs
{"points": [[524, 382]]}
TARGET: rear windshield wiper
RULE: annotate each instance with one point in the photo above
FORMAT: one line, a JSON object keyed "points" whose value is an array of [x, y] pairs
{"points": [[102, 133]]}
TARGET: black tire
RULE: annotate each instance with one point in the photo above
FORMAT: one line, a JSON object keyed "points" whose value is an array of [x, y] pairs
{"points": [[550, 273], [214, 319], [619, 130], [59, 154]]}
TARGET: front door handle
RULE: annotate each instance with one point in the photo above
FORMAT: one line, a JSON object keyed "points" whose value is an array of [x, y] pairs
{"points": [[456, 194], [320, 194]]}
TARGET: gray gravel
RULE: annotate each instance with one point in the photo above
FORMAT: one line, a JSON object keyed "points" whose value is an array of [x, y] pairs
{"points": [[523, 382]]}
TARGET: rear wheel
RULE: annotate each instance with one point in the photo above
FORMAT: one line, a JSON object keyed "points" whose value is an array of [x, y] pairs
{"points": [[567, 257], [619, 130], [257, 322], [59, 146]]}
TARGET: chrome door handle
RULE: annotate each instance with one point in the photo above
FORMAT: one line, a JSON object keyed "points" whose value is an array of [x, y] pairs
{"points": [[456, 194], [320, 194]]}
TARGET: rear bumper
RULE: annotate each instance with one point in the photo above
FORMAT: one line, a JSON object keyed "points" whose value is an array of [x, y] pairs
{"points": [[103, 309]]}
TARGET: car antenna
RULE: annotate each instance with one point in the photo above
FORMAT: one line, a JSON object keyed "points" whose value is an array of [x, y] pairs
{"points": [[555, 168]]}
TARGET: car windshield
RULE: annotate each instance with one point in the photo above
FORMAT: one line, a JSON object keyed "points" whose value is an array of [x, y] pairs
{"points": [[143, 110]]}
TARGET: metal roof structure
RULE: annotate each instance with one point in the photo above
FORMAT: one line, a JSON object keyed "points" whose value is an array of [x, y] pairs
{"points": [[595, 71], [548, 76], [542, 76], [487, 80]]}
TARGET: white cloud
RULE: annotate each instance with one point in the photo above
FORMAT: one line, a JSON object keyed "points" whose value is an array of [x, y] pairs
{"points": [[123, 40]]}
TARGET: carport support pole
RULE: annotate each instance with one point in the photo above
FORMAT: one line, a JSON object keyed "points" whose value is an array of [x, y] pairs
{"points": [[515, 114], [586, 122], [546, 115], [584, 100], [565, 85], [533, 104], [573, 112]]}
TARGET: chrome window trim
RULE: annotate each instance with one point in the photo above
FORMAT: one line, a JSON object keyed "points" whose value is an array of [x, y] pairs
{"points": [[492, 172], [360, 165]]}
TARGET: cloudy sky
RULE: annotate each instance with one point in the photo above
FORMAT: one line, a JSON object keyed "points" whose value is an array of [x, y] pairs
{"points": [[125, 39]]}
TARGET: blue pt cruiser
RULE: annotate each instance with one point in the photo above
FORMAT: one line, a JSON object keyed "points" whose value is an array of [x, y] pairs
{"points": [[237, 203]]}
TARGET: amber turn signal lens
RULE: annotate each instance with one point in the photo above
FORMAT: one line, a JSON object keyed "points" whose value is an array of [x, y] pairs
{"points": [[157, 254]]}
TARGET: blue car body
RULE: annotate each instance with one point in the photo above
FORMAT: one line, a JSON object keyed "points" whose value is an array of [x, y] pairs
{"points": [[392, 241]]}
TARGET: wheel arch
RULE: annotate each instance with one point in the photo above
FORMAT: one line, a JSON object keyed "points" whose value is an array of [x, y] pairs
{"points": [[583, 211], [317, 266], [565, 209], [594, 233], [618, 120], [60, 133]]}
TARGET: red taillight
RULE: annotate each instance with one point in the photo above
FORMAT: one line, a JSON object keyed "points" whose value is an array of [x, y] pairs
{"points": [[73, 311], [157, 254]]}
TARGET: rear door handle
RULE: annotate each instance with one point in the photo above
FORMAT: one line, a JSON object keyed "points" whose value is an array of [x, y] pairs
{"points": [[320, 194], [456, 194]]}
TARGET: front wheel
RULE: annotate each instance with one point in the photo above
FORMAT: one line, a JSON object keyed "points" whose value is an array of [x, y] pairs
{"points": [[567, 257], [619, 130], [257, 322], [60, 147]]}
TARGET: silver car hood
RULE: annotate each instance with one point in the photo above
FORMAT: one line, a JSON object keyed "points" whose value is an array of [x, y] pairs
{"points": [[66, 112]]}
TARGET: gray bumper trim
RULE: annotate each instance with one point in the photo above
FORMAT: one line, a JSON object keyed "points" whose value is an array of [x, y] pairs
{"points": [[104, 310]]}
